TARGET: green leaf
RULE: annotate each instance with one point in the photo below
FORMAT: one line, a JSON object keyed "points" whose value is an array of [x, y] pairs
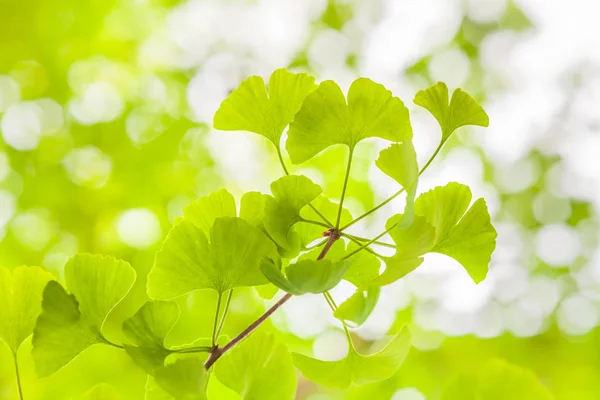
{"points": [[101, 392], [20, 303], [185, 379], [359, 306], [470, 241], [305, 276], [69, 324], [147, 329], [250, 108], [187, 261], [252, 208], [259, 368], [290, 194], [204, 210], [325, 119], [399, 162], [461, 111], [309, 232], [363, 266], [497, 380], [356, 369]]}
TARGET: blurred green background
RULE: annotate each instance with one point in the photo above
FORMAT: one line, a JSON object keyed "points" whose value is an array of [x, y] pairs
{"points": [[106, 120]]}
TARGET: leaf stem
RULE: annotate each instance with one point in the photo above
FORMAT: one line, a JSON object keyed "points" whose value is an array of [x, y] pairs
{"points": [[216, 352], [392, 197], [362, 239], [308, 221], [339, 216], [370, 242], [334, 307], [367, 248], [214, 332], [19, 386], [198, 349], [225, 310]]}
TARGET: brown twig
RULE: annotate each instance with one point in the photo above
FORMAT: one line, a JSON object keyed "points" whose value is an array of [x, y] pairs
{"points": [[216, 352]]}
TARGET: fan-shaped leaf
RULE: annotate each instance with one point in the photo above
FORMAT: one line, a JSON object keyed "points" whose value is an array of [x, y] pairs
{"points": [[20, 303], [325, 119], [356, 369], [147, 329], [259, 368], [305, 276], [68, 324], [250, 108], [188, 261], [359, 306], [461, 111]]}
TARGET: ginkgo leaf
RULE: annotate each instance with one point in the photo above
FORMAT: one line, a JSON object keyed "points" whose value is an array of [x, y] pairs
{"points": [[259, 368], [305, 276], [20, 303], [101, 392], [399, 162], [468, 238], [252, 208], [326, 119], [356, 369], [497, 380], [462, 110], [187, 260], [290, 194], [185, 379], [204, 210], [147, 329], [359, 306], [363, 267], [70, 323], [250, 108]]}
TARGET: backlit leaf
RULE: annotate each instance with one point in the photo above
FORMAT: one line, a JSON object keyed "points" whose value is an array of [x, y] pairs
{"points": [[356, 369], [187, 260], [259, 368], [306, 276], [251, 108], [462, 110], [468, 238], [147, 329], [326, 119], [359, 306], [20, 303], [70, 323], [290, 194], [101, 392], [185, 379], [204, 210]]}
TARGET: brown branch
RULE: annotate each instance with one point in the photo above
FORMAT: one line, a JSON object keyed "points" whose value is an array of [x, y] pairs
{"points": [[216, 352]]}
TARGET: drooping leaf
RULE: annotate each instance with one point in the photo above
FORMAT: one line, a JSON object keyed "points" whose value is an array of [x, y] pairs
{"points": [[359, 306], [468, 238], [187, 260], [462, 110], [70, 323], [497, 380], [399, 162], [290, 194], [251, 108], [305, 276], [363, 266], [101, 392], [325, 119], [356, 369], [20, 303], [147, 329], [259, 368], [185, 379]]}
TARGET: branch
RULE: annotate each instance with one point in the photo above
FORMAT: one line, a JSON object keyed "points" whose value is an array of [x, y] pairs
{"points": [[216, 352]]}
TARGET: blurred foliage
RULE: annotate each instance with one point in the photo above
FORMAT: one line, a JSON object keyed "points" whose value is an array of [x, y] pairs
{"points": [[151, 153]]}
